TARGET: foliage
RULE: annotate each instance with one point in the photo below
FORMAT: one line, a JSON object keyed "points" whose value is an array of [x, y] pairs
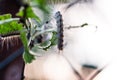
{"points": [[41, 4], [8, 24], [53, 41], [27, 13], [32, 27], [26, 56]]}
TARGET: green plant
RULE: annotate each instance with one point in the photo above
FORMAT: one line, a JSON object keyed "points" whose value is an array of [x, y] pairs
{"points": [[29, 25]]}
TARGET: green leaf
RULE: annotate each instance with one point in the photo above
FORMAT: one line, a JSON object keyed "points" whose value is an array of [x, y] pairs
{"points": [[8, 24], [28, 58], [42, 5], [5, 16], [27, 13], [24, 41], [45, 44], [30, 13], [53, 40], [21, 12], [8, 20]]}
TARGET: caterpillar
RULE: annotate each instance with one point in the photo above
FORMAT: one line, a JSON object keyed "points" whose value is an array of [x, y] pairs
{"points": [[60, 35]]}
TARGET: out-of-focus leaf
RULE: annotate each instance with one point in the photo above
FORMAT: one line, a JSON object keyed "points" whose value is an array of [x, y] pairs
{"points": [[8, 20], [5, 16], [42, 5], [28, 13], [8, 24]]}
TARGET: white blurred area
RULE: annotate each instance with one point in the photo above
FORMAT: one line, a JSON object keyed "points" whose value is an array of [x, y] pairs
{"points": [[96, 44]]}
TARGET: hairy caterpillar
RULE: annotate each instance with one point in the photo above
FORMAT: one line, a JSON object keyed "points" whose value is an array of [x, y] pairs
{"points": [[60, 35]]}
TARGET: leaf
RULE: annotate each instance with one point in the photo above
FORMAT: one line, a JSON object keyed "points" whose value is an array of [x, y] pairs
{"points": [[27, 13], [28, 58], [53, 40], [8, 24], [42, 5], [20, 13], [30, 13], [45, 44], [5, 16], [8, 20]]}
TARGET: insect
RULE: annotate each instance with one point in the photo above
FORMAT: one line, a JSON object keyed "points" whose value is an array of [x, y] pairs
{"points": [[60, 35]]}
